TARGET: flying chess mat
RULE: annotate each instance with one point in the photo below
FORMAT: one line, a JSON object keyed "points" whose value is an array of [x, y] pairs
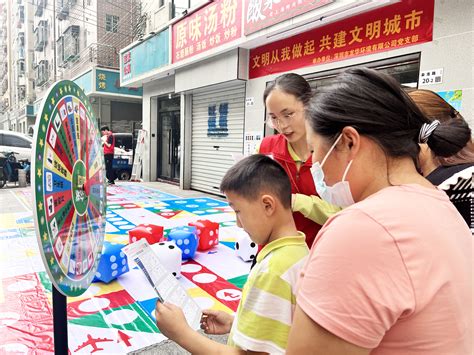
{"points": [[118, 317]]}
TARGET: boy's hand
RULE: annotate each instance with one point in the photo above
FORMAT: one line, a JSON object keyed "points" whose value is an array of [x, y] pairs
{"points": [[216, 322], [170, 320]]}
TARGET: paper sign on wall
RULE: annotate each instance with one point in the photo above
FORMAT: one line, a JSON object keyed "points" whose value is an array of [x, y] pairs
{"points": [[453, 97], [252, 141], [431, 77]]}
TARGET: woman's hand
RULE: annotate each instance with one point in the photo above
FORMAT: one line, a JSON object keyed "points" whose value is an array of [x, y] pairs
{"points": [[216, 322]]}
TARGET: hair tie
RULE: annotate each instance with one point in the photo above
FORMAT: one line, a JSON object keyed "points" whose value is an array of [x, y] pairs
{"points": [[426, 130]]}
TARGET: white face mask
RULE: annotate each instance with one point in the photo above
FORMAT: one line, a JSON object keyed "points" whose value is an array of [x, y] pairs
{"points": [[338, 194]]}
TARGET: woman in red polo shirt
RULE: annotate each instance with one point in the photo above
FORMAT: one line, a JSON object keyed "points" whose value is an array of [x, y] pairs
{"points": [[285, 100]]}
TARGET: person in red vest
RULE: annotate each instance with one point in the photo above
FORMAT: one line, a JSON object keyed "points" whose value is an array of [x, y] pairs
{"points": [[285, 100], [108, 143]]}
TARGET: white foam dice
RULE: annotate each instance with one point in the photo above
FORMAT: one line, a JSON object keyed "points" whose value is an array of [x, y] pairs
{"points": [[169, 255], [245, 248]]}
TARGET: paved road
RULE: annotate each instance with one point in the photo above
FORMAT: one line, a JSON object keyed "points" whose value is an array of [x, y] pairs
{"points": [[9, 203]]}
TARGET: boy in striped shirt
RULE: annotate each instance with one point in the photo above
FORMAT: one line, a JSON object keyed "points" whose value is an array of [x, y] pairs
{"points": [[259, 191]]}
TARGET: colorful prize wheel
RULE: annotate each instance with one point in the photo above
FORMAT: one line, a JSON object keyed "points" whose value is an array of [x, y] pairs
{"points": [[68, 180]]}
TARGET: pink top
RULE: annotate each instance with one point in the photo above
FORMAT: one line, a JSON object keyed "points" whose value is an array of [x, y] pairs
{"points": [[394, 273]]}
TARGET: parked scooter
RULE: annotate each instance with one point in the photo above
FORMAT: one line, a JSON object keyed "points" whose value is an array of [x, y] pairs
{"points": [[9, 167]]}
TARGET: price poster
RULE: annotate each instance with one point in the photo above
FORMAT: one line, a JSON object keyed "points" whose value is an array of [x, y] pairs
{"points": [[68, 182]]}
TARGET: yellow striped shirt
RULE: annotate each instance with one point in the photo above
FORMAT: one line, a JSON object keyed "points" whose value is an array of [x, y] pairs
{"points": [[263, 318]]}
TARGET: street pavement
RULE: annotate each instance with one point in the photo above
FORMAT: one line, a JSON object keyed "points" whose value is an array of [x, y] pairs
{"points": [[10, 203]]}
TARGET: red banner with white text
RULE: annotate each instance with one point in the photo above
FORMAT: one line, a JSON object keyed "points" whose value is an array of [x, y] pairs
{"points": [[215, 24], [399, 25]]}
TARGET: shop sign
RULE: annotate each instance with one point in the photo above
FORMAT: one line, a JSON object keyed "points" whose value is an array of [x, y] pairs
{"points": [[210, 27], [151, 54], [127, 65], [217, 120], [109, 82], [265, 13], [395, 26]]}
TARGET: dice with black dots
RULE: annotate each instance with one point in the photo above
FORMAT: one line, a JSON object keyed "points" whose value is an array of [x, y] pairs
{"points": [[169, 255], [245, 248]]}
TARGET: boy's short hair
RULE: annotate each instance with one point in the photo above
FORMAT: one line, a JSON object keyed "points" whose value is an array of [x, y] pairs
{"points": [[104, 128], [255, 175]]}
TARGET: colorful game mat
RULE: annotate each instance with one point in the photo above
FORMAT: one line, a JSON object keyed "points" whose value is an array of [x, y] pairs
{"points": [[118, 317]]}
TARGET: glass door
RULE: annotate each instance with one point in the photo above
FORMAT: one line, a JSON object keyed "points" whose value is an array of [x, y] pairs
{"points": [[169, 146]]}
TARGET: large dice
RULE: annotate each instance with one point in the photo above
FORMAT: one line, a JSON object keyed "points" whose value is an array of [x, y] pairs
{"points": [[152, 233], [112, 264], [169, 255], [245, 248], [208, 233], [186, 239]]}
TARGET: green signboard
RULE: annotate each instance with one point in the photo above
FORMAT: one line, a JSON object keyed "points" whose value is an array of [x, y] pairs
{"points": [[109, 82]]}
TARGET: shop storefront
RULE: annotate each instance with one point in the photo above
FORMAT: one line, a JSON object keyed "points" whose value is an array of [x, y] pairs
{"points": [[217, 131], [116, 106], [321, 54], [414, 41], [222, 55], [146, 64], [214, 93]]}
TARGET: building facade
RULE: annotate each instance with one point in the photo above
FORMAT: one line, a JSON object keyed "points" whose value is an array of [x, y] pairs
{"points": [[18, 86], [90, 35], [210, 66], [4, 94], [75, 40]]}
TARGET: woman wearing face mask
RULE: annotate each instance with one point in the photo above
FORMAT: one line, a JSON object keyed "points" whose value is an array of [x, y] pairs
{"points": [[285, 99], [384, 276], [454, 173]]}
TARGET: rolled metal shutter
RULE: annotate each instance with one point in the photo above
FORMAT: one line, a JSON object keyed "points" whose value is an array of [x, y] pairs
{"points": [[217, 132]]}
